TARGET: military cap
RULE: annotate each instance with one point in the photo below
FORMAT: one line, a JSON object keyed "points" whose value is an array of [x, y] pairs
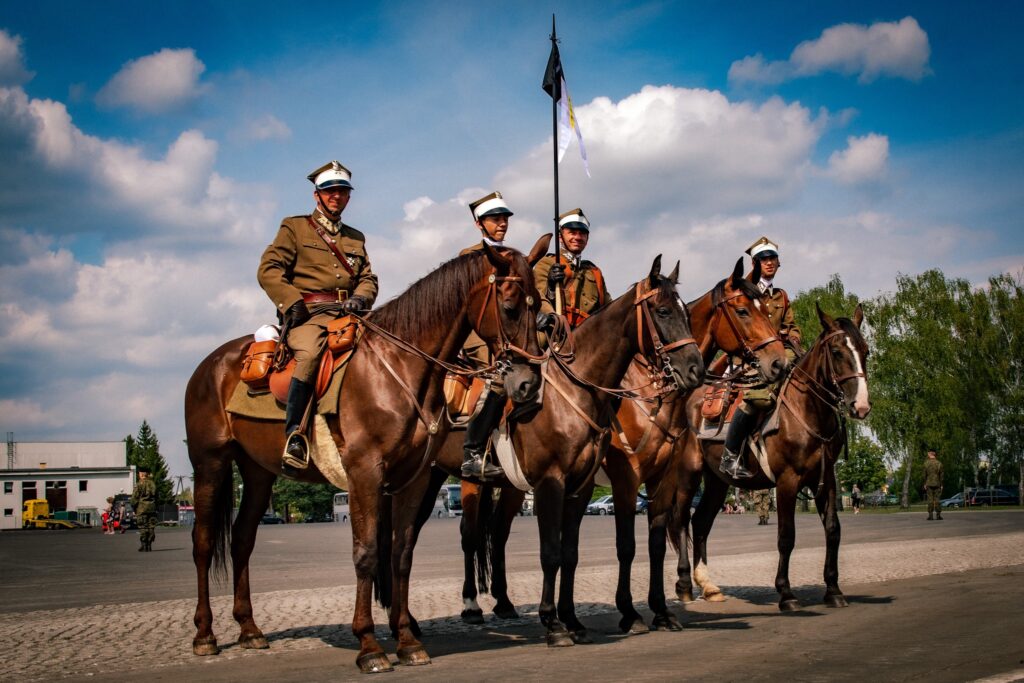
{"points": [[763, 248], [143, 468], [574, 219], [331, 174], [491, 205]]}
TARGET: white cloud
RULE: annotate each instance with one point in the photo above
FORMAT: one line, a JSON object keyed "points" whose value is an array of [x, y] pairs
{"points": [[12, 62], [267, 127], [156, 82], [893, 49], [864, 160]]}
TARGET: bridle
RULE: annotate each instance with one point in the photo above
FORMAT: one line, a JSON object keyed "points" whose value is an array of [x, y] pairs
{"points": [[722, 310], [503, 346], [831, 393]]}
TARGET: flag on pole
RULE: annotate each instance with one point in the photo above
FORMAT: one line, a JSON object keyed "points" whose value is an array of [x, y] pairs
{"points": [[554, 85]]}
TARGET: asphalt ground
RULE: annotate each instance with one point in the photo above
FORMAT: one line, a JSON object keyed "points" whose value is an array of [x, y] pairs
{"points": [[929, 601]]}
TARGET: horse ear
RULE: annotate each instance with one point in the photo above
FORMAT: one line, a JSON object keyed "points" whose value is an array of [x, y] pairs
{"points": [[652, 279], [737, 272], [827, 322], [496, 259], [674, 275], [858, 316], [539, 249], [755, 274]]}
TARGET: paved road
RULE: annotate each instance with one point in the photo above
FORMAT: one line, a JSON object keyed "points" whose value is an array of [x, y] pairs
{"points": [[930, 601]]}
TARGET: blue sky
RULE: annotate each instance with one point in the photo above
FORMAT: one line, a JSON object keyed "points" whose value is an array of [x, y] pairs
{"points": [[151, 151]]}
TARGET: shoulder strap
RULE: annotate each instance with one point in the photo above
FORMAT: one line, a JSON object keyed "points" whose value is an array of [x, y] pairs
{"points": [[599, 276], [330, 245]]}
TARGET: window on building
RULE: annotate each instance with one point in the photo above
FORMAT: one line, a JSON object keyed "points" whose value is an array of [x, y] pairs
{"points": [[83, 485], [8, 512], [28, 490], [8, 487]]}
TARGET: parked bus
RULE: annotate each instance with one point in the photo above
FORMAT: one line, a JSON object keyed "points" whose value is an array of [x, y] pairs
{"points": [[447, 504], [341, 506]]}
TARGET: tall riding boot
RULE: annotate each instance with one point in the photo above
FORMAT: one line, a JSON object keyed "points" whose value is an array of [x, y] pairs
{"points": [[295, 454], [739, 429], [477, 433]]}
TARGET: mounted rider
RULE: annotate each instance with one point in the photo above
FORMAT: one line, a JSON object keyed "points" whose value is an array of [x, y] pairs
{"points": [[315, 271], [761, 397], [491, 214], [582, 282]]}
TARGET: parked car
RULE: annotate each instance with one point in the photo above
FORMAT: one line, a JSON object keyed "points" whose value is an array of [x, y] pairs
{"points": [[271, 519], [995, 496], [957, 501], [601, 506], [641, 505], [880, 498]]}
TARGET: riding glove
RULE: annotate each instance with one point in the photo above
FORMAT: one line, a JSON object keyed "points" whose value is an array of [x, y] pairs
{"points": [[354, 304], [556, 275], [297, 313]]}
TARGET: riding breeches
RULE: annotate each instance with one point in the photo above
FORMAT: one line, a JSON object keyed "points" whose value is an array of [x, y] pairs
{"points": [[307, 343]]}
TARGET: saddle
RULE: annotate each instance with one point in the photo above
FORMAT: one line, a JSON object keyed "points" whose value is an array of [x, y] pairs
{"points": [[462, 397]]}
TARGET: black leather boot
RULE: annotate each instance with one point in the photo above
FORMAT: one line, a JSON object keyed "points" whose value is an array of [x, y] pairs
{"points": [[296, 454], [477, 433], [739, 429]]}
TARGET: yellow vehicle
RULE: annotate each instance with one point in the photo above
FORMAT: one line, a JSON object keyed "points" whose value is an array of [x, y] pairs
{"points": [[35, 514]]}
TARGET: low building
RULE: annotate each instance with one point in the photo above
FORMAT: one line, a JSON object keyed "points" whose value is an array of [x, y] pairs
{"points": [[72, 476]]}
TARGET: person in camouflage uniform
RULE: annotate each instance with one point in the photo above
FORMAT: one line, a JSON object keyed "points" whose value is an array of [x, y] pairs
{"points": [[761, 397], [933, 485], [762, 505], [144, 502]]}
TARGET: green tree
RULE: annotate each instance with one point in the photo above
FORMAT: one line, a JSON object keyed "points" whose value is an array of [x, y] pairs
{"points": [[1005, 349], [144, 451], [833, 299], [314, 501], [864, 465]]}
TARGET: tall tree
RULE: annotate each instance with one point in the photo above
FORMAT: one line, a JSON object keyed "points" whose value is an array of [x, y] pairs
{"points": [[833, 299], [314, 501], [144, 451], [1006, 350]]}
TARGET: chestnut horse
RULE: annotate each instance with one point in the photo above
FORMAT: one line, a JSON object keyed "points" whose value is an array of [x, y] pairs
{"points": [[561, 446], [648, 449], [389, 421], [828, 383]]}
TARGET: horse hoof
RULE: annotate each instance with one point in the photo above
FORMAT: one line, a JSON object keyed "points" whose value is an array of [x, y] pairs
{"points": [[374, 663], [666, 622], [506, 611], [634, 626], [560, 639], [715, 596], [580, 637], [685, 596], [205, 646], [790, 605], [253, 642], [837, 600], [473, 616], [414, 655]]}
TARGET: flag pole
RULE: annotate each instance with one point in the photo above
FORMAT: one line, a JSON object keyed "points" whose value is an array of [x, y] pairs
{"points": [[554, 154]]}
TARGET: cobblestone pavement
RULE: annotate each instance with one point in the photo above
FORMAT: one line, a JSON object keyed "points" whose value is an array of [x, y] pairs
{"points": [[101, 639]]}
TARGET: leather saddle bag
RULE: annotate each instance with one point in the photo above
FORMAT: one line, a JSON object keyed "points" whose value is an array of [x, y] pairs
{"points": [[716, 399], [341, 334], [256, 364], [461, 394]]}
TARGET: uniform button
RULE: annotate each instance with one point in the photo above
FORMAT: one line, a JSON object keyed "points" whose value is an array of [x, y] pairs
{"points": [[337, 275]]}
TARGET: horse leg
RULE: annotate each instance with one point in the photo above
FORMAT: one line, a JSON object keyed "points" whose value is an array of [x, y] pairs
{"points": [[826, 504], [258, 483], [405, 508], [715, 491], [469, 526], [365, 504], [511, 503], [624, 492], [437, 478], [548, 502], [656, 537], [785, 500], [571, 520], [212, 500], [688, 474]]}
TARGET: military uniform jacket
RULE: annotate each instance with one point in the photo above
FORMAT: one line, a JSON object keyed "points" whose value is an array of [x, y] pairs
{"points": [[144, 496], [932, 472], [298, 262], [585, 291], [780, 313]]}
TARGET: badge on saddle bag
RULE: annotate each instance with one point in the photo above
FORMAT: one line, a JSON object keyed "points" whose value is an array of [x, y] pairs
{"points": [[256, 364], [341, 334], [716, 398]]}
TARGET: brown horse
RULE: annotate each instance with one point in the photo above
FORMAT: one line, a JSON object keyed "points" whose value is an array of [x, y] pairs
{"points": [[389, 421], [561, 446], [648, 449], [827, 384]]}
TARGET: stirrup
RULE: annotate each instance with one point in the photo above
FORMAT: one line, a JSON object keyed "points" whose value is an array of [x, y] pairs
{"points": [[734, 467], [292, 461]]}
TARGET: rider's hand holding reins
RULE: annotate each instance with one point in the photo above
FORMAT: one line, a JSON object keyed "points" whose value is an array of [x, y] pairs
{"points": [[297, 314], [354, 304]]}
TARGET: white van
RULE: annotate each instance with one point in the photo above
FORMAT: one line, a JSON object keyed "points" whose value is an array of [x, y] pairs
{"points": [[341, 506]]}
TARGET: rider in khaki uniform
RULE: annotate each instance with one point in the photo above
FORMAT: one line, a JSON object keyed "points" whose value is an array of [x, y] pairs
{"points": [[761, 398], [584, 289], [933, 485], [315, 271], [491, 215]]}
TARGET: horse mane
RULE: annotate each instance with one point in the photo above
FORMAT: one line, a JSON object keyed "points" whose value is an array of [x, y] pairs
{"points": [[436, 298]]}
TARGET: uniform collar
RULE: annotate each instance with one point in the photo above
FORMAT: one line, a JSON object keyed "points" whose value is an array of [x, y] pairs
{"points": [[766, 286], [572, 259], [494, 243], [326, 223]]}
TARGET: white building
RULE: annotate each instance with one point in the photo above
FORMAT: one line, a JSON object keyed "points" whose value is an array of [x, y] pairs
{"points": [[71, 476]]}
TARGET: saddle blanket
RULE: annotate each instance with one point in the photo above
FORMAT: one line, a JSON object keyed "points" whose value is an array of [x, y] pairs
{"points": [[266, 407]]}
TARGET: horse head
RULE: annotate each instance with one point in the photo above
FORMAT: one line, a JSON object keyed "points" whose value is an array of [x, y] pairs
{"points": [[664, 328], [507, 318], [846, 359], [743, 328]]}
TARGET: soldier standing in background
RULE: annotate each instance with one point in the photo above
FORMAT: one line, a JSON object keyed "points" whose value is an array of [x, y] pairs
{"points": [[763, 505], [933, 485], [144, 502]]}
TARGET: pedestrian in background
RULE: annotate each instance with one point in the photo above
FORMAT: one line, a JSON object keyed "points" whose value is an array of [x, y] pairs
{"points": [[855, 495], [933, 485], [763, 505], [144, 502]]}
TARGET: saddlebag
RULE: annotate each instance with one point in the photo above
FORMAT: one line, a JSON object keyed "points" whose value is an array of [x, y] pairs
{"points": [[256, 364], [716, 398], [341, 334]]}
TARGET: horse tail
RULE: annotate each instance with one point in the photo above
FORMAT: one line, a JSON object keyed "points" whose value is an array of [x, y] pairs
{"points": [[673, 523], [382, 588], [220, 529], [485, 528]]}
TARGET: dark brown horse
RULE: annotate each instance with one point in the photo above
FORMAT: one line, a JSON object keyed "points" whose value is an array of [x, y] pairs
{"points": [[827, 384], [389, 421], [561, 446], [648, 449]]}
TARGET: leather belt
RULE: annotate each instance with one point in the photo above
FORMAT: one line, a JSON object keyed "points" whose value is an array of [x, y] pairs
{"points": [[332, 297]]}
